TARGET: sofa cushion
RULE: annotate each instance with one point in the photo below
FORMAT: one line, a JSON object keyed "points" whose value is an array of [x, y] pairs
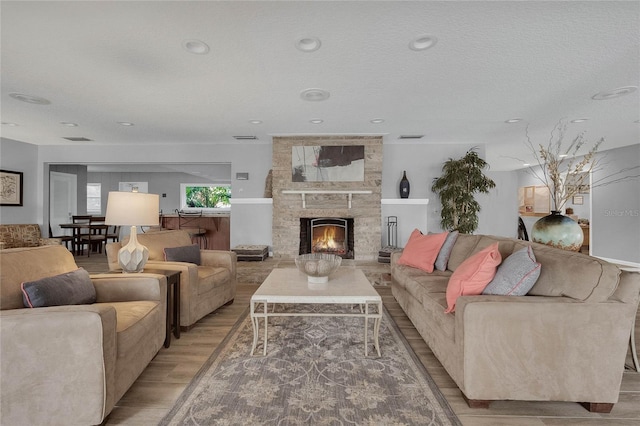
{"points": [[473, 275], [71, 288], [516, 275], [190, 254], [445, 251], [421, 250], [157, 241]]}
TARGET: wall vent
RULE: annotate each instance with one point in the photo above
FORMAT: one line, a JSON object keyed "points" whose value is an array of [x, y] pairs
{"points": [[77, 139], [410, 136], [245, 138]]}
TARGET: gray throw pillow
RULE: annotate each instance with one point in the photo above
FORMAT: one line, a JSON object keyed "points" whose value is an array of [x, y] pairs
{"points": [[72, 288], [190, 254], [445, 251], [516, 275]]}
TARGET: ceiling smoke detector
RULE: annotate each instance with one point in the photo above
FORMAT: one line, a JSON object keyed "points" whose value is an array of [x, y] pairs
{"points": [[314, 95]]}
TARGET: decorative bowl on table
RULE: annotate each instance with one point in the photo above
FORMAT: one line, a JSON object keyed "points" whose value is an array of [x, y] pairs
{"points": [[318, 266]]}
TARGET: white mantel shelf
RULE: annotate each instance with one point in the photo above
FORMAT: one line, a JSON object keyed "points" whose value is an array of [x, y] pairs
{"points": [[303, 194]]}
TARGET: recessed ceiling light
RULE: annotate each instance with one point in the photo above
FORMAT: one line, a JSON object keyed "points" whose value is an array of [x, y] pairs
{"points": [[563, 155], [6, 123], [526, 164], [377, 121], [513, 120], [30, 99], [308, 44], [125, 123], [615, 93], [314, 95], [579, 120], [316, 121], [69, 124], [196, 47], [423, 42], [255, 121]]}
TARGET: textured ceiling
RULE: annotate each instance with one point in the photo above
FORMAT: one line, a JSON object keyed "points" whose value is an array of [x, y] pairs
{"points": [[104, 62]]}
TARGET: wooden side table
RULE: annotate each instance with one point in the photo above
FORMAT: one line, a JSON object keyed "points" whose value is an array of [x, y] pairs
{"points": [[173, 303]]}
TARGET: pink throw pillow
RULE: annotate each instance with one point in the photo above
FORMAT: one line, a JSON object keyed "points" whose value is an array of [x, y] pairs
{"points": [[473, 275], [421, 250]]}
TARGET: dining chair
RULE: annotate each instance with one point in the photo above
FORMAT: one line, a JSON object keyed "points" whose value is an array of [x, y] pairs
{"points": [[66, 239], [97, 236], [80, 231], [113, 233]]}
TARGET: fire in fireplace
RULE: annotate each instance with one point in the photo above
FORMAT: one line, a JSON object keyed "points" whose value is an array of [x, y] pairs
{"points": [[327, 235]]}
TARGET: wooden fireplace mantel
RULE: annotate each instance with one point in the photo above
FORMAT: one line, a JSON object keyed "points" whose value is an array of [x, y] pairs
{"points": [[349, 193]]}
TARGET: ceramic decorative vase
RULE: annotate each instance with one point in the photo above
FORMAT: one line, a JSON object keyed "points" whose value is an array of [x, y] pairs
{"points": [[404, 186], [558, 231]]}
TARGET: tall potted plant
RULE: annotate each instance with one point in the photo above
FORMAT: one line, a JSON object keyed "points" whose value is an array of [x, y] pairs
{"points": [[460, 180]]}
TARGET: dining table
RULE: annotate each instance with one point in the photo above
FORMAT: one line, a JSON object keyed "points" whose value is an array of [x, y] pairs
{"points": [[76, 230]]}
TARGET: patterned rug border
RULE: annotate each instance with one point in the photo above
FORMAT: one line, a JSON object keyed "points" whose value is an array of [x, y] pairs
{"points": [[235, 332]]}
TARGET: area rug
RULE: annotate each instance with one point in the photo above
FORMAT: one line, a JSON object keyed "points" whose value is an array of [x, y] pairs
{"points": [[314, 373]]}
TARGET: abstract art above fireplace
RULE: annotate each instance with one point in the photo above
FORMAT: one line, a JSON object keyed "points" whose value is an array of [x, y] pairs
{"points": [[329, 163]]}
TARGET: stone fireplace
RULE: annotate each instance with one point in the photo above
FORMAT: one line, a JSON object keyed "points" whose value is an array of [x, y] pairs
{"points": [[333, 235], [358, 202]]}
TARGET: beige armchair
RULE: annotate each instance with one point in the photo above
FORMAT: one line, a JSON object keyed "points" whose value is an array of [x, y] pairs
{"points": [[68, 365], [203, 288]]}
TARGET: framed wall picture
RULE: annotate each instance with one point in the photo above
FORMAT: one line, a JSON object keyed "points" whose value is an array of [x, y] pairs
{"points": [[578, 200], [11, 187]]}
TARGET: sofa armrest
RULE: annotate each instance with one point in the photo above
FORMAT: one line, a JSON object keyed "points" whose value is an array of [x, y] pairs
{"points": [[129, 287], [56, 364], [220, 258], [515, 346]]}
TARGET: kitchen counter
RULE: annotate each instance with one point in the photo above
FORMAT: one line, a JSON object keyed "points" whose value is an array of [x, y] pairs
{"points": [[217, 225]]}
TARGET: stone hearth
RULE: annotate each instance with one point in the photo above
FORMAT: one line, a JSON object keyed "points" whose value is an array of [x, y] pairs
{"points": [[365, 207]]}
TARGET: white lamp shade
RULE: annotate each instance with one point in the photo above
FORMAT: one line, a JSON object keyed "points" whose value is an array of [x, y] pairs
{"points": [[132, 208]]}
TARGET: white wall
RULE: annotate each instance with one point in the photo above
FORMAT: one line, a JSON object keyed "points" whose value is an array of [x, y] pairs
{"points": [[422, 162], [22, 157]]}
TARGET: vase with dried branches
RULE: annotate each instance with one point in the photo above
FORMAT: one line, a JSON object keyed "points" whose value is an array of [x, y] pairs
{"points": [[564, 168]]}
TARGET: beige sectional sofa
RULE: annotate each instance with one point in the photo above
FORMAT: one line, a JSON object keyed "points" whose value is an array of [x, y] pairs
{"points": [[566, 340], [69, 365]]}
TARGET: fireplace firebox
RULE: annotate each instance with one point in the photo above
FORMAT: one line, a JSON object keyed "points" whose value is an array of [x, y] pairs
{"points": [[327, 235]]}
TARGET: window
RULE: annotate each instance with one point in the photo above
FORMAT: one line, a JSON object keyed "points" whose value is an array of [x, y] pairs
{"points": [[94, 198], [205, 196]]}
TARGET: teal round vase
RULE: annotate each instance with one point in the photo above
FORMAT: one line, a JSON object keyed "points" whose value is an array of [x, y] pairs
{"points": [[558, 231]]}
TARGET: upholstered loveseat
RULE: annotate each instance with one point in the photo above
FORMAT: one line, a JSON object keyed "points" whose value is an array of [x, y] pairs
{"points": [[24, 235], [69, 365], [565, 340], [203, 288]]}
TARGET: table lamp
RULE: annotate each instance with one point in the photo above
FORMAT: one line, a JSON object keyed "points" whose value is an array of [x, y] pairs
{"points": [[135, 209]]}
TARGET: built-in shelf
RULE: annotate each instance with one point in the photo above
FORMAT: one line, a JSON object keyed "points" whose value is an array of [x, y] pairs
{"points": [[303, 193]]}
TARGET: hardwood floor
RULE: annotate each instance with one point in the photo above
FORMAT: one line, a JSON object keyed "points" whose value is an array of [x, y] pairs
{"points": [[156, 390]]}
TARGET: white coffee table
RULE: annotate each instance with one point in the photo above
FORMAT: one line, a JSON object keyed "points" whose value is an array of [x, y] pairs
{"points": [[289, 286]]}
